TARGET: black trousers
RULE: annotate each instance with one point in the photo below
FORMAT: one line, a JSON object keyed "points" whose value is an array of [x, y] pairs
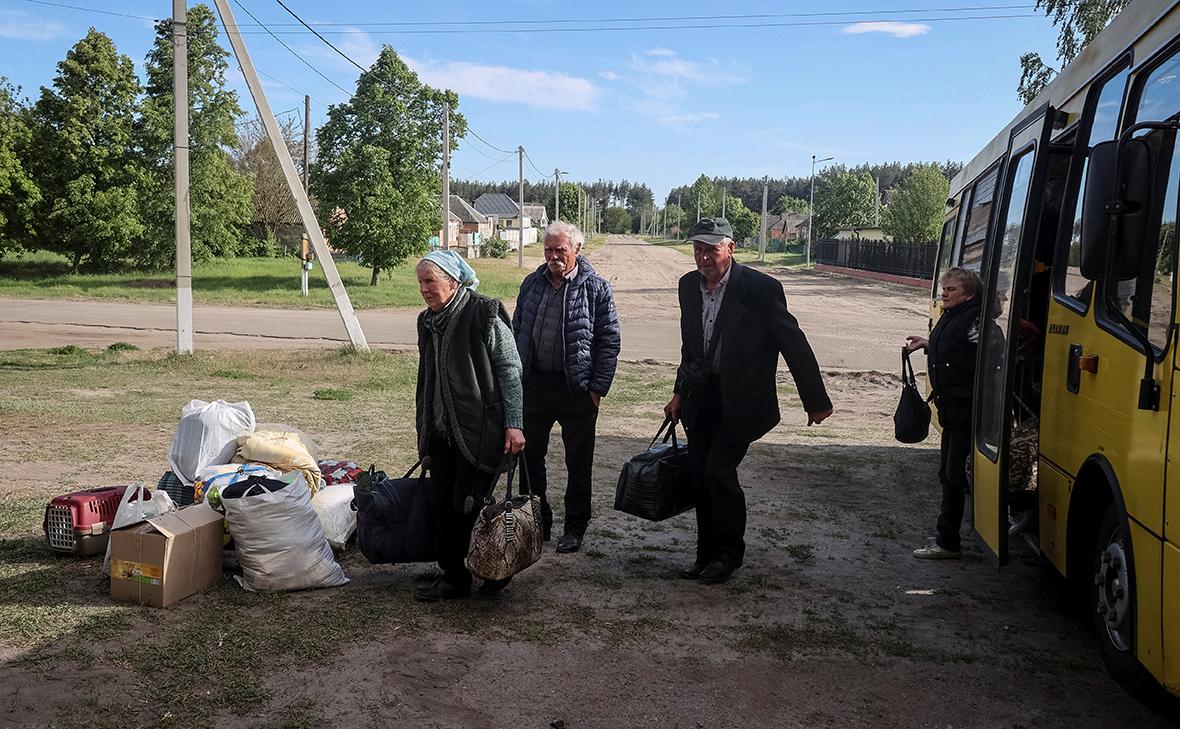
{"points": [[952, 473], [713, 460], [452, 480], [548, 400]]}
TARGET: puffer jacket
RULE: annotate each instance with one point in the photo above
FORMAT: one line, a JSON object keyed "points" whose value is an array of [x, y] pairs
{"points": [[591, 327], [954, 342]]}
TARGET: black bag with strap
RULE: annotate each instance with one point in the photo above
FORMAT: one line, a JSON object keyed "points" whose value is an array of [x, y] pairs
{"points": [[655, 485], [393, 517], [911, 420]]}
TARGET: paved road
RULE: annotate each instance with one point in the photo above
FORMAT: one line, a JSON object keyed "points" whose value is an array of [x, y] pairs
{"points": [[852, 324]]}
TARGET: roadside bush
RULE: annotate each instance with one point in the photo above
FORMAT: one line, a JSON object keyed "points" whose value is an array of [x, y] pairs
{"points": [[495, 248]]}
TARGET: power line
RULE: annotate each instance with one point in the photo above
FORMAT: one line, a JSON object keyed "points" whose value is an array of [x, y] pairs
{"points": [[93, 10], [530, 161], [290, 50], [505, 151]]}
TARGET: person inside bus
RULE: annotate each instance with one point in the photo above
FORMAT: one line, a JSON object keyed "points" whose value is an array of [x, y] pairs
{"points": [[950, 352]]}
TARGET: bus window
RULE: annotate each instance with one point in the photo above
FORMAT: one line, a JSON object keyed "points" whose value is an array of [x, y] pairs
{"points": [[993, 357], [946, 251], [977, 220], [1103, 128], [1147, 300]]}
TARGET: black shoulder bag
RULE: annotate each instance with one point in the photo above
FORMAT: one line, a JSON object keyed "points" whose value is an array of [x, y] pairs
{"points": [[911, 420]]}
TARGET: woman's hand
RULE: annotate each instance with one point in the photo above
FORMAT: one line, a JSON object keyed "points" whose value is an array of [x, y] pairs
{"points": [[513, 440], [915, 343], [672, 409]]}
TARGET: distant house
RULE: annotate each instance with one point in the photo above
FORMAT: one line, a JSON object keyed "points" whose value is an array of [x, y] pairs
{"points": [[504, 214], [470, 219], [536, 213], [785, 227], [862, 233]]}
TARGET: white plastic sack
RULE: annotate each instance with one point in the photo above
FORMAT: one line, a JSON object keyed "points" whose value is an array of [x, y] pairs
{"points": [[280, 543], [206, 436], [210, 479], [146, 504], [333, 505]]}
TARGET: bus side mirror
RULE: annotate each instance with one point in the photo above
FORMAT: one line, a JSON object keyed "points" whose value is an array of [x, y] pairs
{"points": [[1103, 203]]}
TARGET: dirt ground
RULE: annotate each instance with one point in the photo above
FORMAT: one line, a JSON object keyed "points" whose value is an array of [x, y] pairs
{"points": [[830, 622]]}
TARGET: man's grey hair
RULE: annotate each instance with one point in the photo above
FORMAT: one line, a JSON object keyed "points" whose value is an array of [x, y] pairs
{"points": [[567, 230]]}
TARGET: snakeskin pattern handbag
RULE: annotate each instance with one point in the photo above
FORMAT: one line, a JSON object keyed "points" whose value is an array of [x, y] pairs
{"points": [[507, 535]]}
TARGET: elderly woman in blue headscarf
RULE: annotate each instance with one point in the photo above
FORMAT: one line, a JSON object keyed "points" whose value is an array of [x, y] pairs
{"points": [[469, 409]]}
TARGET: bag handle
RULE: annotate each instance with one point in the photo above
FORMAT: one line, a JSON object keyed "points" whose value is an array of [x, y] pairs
{"points": [[421, 462], [907, 370], [670, 425]]}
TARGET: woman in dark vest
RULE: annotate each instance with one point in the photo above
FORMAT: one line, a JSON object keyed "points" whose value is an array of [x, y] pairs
{"points": [[950, 353], [469, 409]]}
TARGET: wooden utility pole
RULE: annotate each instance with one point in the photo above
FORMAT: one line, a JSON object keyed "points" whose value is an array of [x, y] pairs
{"points": [[679, 213], [352, 324], [184, 251], [445, 238], [724, 194], [520, 201], [556, 194], [762, 234]]}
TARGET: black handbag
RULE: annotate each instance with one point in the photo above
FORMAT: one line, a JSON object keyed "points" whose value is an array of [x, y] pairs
{"points": [[911, 420], [656, 485], [393, 517]]}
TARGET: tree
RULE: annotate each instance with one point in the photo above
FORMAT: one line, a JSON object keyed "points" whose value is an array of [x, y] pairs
{"points": [[704, 191], [255, 157], [1078, 21], [843, 199], [388, 134], [19, 194], [616, 220], [571, 201], [220, 196], [84, 162], [787, 205], [915, 210], [746, 223]]}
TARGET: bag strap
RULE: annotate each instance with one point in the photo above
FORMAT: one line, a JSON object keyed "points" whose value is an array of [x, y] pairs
{"points": [[907, 370], [412, 468], [660, 432]]}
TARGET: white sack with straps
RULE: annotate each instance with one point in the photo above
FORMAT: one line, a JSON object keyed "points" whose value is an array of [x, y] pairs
{"points": [[333, 506], [206, 434], [280, 543]]}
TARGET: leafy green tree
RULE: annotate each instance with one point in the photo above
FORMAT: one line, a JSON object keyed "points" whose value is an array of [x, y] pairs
{"points": [[787, 205], [571, 201], [704, 191], [1077, 21], [746, 223], [220, 196], [84, 162], [915, 210], [19, 194], [616, 220], [843, 199], [393, 111]]}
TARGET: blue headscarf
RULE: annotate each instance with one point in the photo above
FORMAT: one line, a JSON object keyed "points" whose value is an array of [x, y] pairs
{"points": [[456, 267]]}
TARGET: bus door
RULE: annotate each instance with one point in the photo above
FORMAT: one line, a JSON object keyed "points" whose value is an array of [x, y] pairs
{"points": [[1005, 300]]}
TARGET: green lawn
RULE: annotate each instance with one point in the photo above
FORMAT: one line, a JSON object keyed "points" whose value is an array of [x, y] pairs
{"points": [[272, 282], [741, 255]]}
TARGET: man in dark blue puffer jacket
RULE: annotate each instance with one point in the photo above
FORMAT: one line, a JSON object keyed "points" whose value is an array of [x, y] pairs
{"points": [[567, 333]]}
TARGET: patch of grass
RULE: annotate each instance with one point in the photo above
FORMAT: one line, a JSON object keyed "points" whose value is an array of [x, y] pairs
{"points": [[232, 374], [69, 350], [332, 393], [802, 553], [122, 347], [273, 282]]}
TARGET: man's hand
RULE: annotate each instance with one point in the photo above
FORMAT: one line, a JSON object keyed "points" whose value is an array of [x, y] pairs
{"points": [[817, 417], [596, 397], [672, 409], [915, 343], [513, 440]]}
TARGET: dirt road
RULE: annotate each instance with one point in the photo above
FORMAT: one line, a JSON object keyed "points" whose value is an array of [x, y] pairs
{"points": [[851, 324]]}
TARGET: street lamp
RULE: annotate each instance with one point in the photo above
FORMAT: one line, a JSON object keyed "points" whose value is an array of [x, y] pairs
{"points": [[557, 173], [811, 204]]}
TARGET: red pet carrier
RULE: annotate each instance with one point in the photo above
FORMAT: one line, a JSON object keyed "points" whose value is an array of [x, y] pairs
{"points": [[80, 523]]}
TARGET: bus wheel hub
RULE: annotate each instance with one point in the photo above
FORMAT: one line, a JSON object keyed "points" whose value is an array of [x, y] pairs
{"points": [[1113, 598]]}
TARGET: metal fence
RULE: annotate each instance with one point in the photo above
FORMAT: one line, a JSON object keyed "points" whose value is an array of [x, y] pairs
{"points": [[903, 259]]}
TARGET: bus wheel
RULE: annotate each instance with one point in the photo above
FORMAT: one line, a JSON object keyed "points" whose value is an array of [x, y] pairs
{"points": [[1114, 603]]}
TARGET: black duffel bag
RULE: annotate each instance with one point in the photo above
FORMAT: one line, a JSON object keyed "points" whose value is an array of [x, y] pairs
{"points": [[393, 517], [655, 484], [911, 420]]}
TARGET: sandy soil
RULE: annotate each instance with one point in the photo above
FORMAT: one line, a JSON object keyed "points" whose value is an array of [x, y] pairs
{"points": [[830, 623]]}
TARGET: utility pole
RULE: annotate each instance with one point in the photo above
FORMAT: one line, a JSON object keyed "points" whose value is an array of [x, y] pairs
{"points": [[556, 194], [184, 252], [698, 208], [445, 238], [724, 194], [811, 205], [877, 214], [679, 212], [304, 259], [762, 233], [520, 201]]}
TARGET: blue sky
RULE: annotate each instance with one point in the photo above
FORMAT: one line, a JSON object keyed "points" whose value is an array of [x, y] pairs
{"points": [[655, 105]]}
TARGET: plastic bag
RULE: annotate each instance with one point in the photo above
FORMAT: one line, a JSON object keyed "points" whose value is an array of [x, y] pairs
{"points": [[280, 543], [206, 435], [139, 504], [333, 506], [212, 478]]}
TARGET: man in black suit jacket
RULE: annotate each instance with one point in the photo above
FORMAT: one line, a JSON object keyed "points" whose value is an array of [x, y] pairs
{"points": [[734, 324]]}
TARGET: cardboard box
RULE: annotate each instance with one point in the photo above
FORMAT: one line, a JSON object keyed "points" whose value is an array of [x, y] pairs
{"points": [[168, 557]]}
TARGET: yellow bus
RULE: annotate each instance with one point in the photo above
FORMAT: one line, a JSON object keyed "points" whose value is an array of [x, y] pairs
{"points": [[1069, 215]]}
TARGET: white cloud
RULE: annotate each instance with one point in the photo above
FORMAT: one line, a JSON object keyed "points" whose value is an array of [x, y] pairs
{"points": [[689, 119], [23, 26], [608, 75], [665, 80], [355, 43], [668, 64], [657, 52], [538, 89], [893, 28]]}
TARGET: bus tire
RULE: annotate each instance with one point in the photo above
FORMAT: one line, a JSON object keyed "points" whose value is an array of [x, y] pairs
{"points": [[1113, 603]]}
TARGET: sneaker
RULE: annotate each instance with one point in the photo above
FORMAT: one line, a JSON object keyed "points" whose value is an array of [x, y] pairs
{"points": [[1023, 522], [934, 551]]}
